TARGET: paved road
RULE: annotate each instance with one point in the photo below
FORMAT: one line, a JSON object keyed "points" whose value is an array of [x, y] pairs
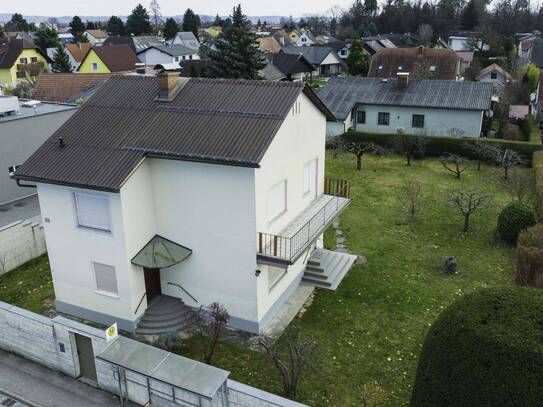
{"points": [[9, 401], [36, 386]]}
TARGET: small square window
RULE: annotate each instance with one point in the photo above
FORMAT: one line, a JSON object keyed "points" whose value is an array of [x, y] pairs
{"points": [[493, 75], [33, 59], [94, 66], [106, 278], [23, 60], [92, 211], [417, 121], [383, 119], [361, 117]]}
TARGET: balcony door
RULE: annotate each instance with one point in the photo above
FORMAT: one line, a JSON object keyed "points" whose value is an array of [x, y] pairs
{"points": [[310, 179]]}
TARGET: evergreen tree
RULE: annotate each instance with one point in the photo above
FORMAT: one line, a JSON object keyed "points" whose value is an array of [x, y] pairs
{"points": [[237, 55], [171, 28], [46, 37], [17, 23], [2, 35], [115, 26], [138, 22], [470, 16], [259, 23], [90, 25], [358, 60], [191, 22], [218, 21], [77, 28], [61, 61]]}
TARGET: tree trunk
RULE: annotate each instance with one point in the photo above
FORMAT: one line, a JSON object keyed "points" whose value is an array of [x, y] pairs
{"points": [[506, 173], [479, 165], [466, 222], [359, 162], [408, 156]]}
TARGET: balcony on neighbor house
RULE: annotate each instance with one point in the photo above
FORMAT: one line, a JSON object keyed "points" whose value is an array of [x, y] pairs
{"points": [[304, 230]]}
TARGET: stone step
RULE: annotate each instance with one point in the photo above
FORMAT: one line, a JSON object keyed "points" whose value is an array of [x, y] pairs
{"points": [[181, 320], [328, 262], [165, 314], [330, 272]]}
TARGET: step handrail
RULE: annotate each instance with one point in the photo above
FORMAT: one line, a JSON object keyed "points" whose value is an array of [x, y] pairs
{"points": [[181, 287], [138, 307]]}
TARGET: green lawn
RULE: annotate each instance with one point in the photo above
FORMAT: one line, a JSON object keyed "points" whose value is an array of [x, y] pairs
{"points": [[370, 331], [29, 286]]}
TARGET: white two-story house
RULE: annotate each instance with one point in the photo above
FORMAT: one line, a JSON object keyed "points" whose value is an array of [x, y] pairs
{"points": [[191, 191]]}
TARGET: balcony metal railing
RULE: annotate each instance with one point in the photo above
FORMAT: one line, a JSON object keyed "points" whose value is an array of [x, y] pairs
{"points": [[289, 248]]}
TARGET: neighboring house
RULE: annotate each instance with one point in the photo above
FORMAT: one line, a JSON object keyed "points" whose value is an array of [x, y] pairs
{"points": [[375, 44], [67, 87], [493, 74], [198, 190], [306, 39], [268, 45], [109, 59], [466, 58], [96, 37], [137, 44], [271, 73], [466, 41], [341, 48], [404, 105], [518, 112], [535, 53], [66, 38], [286, 37], [187, 39], [77, 52], [325, 59], [536, 100], [51, 54], [24, 126], [167, 54], [420, 62], [293, 67], [325, 39], [18, 59]]}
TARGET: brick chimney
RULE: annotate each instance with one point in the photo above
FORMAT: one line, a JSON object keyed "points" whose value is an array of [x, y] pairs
{"points": [[139, 68], [420, 51], [403, 79], [169, 85]]}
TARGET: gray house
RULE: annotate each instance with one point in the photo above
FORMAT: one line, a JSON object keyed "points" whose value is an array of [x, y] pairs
{"points": [[24, 126], [401, 105], [325, 59]]}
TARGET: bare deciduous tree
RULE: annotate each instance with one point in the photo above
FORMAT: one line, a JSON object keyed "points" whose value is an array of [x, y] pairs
{"points": [[425, 32], [297, 355], [509, 159], [481, 151], [213, 327], [453, 163], [519, 183], [361, 148], [456, 132], [410, 146], [411, 196], [467, 201]]}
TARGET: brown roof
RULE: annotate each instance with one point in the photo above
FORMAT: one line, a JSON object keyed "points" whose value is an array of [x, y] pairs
{"points": [[97, 33], [420, 62], [229, 122], [466, 56], [11, 48], [79, 51], [269, 44], [118, 58], [64, 87]]}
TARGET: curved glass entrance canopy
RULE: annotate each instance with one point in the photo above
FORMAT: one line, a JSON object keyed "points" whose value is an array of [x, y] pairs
{"points": [[160, 253]]}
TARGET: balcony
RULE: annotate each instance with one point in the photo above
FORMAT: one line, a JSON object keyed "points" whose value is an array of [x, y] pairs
{"points": [[291, 243]]}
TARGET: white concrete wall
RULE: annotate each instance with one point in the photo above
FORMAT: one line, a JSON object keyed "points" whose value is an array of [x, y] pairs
{"points": [[301, 138], [73, 249], [437, 122], [210, 209], [20, 242], [153, 56]]}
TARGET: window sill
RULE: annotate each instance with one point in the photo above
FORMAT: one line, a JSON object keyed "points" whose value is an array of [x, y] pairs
{"points": [[104, 231], [107, 294]]}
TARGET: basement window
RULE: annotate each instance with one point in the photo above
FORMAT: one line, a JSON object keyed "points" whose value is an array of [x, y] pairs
{"points": [[106, 278]]}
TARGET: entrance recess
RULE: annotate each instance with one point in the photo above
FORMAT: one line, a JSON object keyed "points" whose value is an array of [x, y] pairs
{"points": [[85, 355], [152, 283]]}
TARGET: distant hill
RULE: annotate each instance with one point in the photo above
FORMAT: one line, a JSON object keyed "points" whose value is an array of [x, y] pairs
{"points": [[63, 20]]}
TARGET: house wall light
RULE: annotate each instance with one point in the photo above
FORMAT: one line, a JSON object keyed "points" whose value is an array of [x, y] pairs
{"points": [[257, 272]]}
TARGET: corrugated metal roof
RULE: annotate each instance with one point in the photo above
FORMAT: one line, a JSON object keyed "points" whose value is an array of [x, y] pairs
{"points": [[210, 120], [341, 94]]}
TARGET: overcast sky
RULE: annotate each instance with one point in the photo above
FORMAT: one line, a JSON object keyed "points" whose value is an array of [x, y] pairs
{"points": [[169, 7]]}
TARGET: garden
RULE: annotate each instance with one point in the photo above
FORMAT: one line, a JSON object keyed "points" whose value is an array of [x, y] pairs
{"points": [[370, 332]]}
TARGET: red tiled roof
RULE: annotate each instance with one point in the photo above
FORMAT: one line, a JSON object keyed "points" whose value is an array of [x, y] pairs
{"points": [[61, 87], [79, 51]]}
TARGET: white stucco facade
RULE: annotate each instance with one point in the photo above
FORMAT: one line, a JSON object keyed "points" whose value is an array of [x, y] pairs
{"points": [[215, 210], [153, 56]]}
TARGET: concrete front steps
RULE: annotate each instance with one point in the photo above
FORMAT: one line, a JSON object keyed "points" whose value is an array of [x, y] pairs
{"points": [[165, 314], [326, 269]]}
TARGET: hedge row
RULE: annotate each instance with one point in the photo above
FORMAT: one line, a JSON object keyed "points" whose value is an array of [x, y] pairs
{"points": [[439, 145], [535, 134], [537, 164]]}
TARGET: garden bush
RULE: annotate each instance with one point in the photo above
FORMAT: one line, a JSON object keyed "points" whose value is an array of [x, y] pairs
{"points": [[484, 350], [514, 218], [530, 257], [512, 132], [537, 164]]}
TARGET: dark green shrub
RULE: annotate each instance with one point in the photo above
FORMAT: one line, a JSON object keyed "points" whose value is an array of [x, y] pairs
{"points": [[484, 350], [512, 132], [514, 218], [530, 257], [537, 164]]}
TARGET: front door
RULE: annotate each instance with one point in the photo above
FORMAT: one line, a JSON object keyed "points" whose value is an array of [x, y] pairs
{"points": [[85, 355], [152, 283]]}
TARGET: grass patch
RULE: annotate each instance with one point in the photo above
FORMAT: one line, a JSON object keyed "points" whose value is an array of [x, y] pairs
{"points": [[29, 286]]}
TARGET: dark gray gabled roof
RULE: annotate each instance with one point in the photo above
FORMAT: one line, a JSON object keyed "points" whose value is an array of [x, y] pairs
{"points": [[315, 55], [537, 53], [341, 94], [174, 50], [218, 121]]}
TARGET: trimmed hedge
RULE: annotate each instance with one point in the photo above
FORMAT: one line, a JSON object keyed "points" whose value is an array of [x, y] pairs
{"points": [[437, 146], [484, 350], [530, 257], [537, 164], [513, 219]]}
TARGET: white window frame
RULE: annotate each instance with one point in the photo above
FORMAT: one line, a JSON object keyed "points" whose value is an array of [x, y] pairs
{"points": [[277, 214], [310, 179], [101, 290], [81, 223]]}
